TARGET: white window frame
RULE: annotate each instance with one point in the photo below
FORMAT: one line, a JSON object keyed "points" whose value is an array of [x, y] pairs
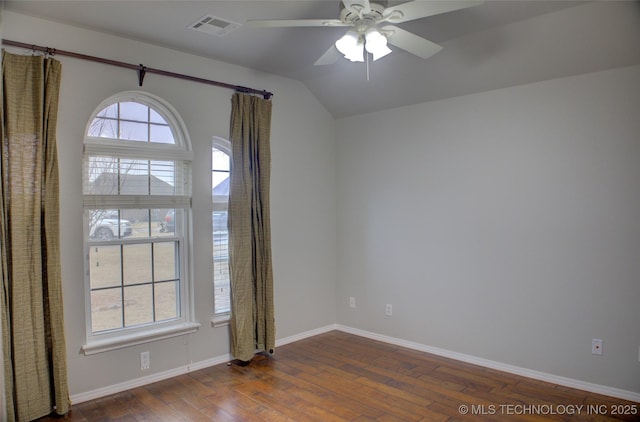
{"points": [[180, 151], [219, 318]]}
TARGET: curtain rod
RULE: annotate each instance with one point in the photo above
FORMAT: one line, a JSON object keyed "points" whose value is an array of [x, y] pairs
{"points": [[141, 69]]}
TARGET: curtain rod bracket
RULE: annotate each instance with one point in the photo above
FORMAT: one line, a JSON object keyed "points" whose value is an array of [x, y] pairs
{"points": [[142, 71]]}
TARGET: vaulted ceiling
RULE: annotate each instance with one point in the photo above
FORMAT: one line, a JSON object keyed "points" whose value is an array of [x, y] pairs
{"points": [[490, 46]]}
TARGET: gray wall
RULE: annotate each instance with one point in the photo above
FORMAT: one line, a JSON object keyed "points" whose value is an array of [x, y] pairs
{"points": [[503, 225], [303, 192]]}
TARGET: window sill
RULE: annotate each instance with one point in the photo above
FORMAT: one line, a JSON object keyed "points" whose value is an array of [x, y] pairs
{"points": [[104, 345], [220, 320]]}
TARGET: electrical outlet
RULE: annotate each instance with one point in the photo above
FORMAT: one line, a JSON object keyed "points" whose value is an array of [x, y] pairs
{"points": [[596, 346], [145, 360], [389, 310], [352, 302]]}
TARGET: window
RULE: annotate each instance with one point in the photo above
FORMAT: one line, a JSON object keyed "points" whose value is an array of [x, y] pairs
{"points": [[136, 197], [220, 171]]}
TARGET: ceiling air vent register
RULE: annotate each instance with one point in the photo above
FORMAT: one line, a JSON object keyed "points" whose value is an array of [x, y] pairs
{"points": [[214, 25]]}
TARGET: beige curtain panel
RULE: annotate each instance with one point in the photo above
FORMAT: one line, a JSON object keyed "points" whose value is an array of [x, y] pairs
{"points": [[252, 315], [32, 315]]}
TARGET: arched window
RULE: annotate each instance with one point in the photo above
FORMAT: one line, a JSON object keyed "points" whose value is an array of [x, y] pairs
{"points": [[220, 172], [136, 197]]}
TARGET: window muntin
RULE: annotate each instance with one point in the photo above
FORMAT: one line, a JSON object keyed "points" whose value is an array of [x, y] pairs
{"points": [[134, 284], [220, 172], [133, 121], [137, 202]]}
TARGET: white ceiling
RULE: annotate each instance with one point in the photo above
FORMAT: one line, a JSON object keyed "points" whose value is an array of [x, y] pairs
{"points": [[494, 45]]}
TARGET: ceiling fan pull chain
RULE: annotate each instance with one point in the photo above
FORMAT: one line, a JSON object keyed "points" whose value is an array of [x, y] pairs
{"points": [[367, 54]]}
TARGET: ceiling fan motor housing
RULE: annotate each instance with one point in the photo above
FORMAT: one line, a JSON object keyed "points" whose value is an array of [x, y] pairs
{"points": [[354, 14]]}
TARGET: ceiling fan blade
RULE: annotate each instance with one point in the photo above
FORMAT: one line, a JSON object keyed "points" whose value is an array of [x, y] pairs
{"points": [[330, 56], [418, 9], [357, 5], [412, 43], [259, 23]]}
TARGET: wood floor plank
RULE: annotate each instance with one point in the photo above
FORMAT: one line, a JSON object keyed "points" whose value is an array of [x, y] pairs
{"points": [[337, 404], [336, 377], [152, 406]]}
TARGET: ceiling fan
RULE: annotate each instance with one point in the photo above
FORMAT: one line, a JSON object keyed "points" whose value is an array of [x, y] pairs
{"points": [[367, 30]]}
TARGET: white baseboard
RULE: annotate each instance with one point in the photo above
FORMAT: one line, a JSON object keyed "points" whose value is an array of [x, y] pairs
{"points": [[529, 373], [542, 376], [160, 376], [306, 334], [149, 379]]}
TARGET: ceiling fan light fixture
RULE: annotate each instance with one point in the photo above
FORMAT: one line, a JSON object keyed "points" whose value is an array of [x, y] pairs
{"points": [[376, 43], [351, 46], [357, 54]]}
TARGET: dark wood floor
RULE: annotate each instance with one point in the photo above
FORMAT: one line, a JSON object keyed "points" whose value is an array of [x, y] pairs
{"points": [[341, 377]]}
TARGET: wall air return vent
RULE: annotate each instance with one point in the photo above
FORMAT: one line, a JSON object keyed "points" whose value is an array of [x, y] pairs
{"points": [[214, 25]]}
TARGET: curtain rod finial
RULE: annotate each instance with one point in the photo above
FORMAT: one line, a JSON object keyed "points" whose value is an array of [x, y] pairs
{"points": [[244, 90]]}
